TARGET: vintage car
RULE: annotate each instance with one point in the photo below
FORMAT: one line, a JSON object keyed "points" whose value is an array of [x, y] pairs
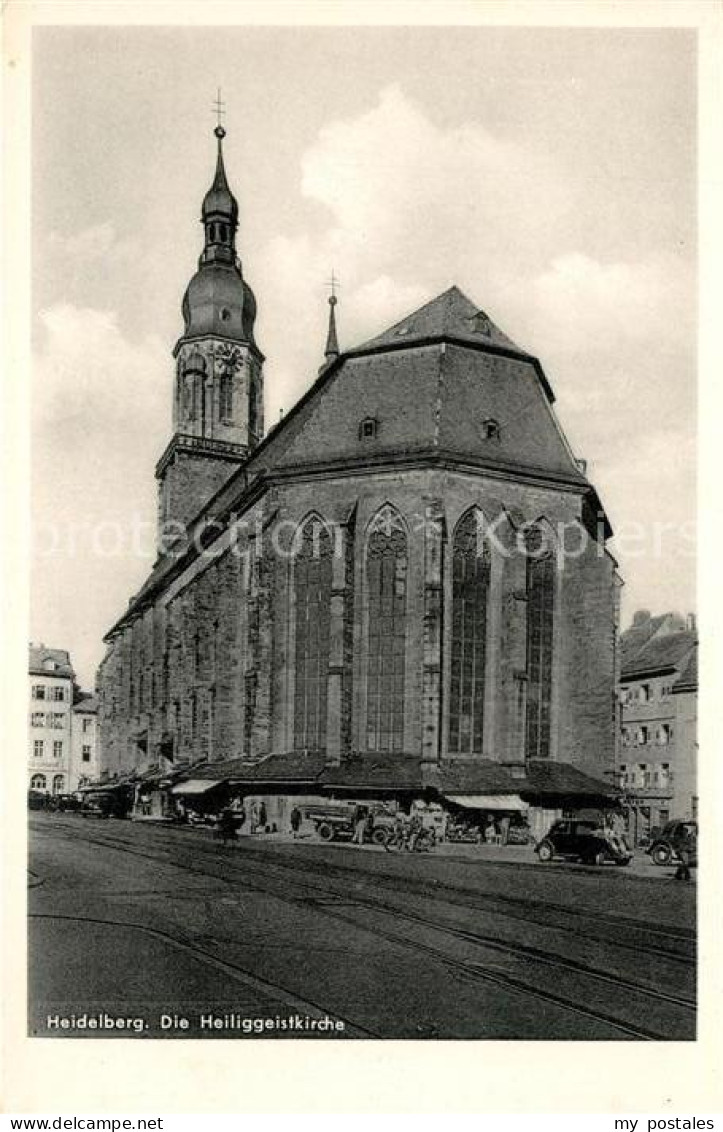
{"points": [[663, 848], [581, 841], [96, 806]]}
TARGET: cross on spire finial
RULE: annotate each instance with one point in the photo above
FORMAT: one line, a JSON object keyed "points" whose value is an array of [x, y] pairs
{"points": [[333, 282], [332, 344], [219, 109]]}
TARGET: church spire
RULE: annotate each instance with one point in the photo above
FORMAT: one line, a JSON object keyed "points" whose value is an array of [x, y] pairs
{"points": [[332, 342]]}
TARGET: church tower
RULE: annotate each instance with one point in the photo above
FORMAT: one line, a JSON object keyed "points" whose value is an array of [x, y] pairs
{"points": [[218, 399]]}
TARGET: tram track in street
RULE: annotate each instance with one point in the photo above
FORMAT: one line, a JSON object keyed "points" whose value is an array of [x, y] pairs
{"points": [[202, 955], [262, 876], [525, 909]]}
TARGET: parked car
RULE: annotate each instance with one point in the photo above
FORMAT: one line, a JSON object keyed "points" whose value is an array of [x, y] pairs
{"points": [[664, 847], [581, 841]]}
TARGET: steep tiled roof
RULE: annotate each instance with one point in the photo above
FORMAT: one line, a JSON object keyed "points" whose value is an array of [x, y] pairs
{"points": [[40, 657], [474, 777], [382, 771], [292, 767], [542, 777], [688, 679], [633, 639], [87, 703], [661, 653], [451, 315], [563, 780]]}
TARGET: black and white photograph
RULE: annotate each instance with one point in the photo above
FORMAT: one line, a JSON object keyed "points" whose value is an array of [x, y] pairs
{"points": [[362, 662]]}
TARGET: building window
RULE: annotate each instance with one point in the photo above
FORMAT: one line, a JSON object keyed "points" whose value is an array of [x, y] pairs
{"points": [[368, 428], [86, 754], [38, 691], [225, 397], [38, 748], [87, 724], [540, 618], [665, 734], [58, 784], [58, 749], [57, 694], [626, 737], [56, 719], [312, 574], [387, 594], [645, 693], [50, 665], [470, 586], [194, 716], [643, 774], [491, 430], [37, 719], [643, 735], [38, 782]]}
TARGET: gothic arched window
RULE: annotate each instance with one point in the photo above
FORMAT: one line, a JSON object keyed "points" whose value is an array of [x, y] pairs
{"points": [[313, 577], [540, 624], [387, 590], [225, 396], [470, 586]]}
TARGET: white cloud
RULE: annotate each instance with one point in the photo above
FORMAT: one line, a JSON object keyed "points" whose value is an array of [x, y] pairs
{"points": [[101, 416]]}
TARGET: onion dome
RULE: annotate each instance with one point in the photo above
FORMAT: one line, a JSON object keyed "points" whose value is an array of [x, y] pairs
{"points": [[219, 200], [218, 301]]}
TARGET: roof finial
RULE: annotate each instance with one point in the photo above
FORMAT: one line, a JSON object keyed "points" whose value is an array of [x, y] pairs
{"points": [[332, 344], [219, 110]]}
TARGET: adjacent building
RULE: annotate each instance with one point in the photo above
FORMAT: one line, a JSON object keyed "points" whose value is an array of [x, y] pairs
{"points": [[84, 750], [406, 578], [658, 744], [51, 687], [63, 744]]}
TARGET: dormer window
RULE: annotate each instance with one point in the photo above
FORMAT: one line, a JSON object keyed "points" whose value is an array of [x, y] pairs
{"points": [[368, 428], [491, 429]]}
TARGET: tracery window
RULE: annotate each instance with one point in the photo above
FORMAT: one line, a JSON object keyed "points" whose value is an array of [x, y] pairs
{"points": [[540, 624], [313, 577], [470, 586], [225, 408], [387, 592]]}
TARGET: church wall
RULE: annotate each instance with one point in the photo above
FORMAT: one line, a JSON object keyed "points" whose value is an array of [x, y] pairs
{"points": [[218, 648], [588, 632]]}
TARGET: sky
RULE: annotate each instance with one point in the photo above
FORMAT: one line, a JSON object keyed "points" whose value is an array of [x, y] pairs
{"points": [[549, 173]]}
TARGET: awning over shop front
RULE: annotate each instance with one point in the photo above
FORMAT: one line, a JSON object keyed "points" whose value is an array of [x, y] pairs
{"points": [[196, 786], [488, 801]]}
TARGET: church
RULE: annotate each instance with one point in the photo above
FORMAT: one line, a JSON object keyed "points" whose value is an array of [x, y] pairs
{"points": [[402, 586]]}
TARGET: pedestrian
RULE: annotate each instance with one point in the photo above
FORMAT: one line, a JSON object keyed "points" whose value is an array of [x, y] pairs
{"points": [[686, 852], [360, 824], [416, 825], [295, 819], [490, 831]]}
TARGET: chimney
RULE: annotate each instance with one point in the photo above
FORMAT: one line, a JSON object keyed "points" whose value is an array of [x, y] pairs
{"points": [[641, 616]]}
